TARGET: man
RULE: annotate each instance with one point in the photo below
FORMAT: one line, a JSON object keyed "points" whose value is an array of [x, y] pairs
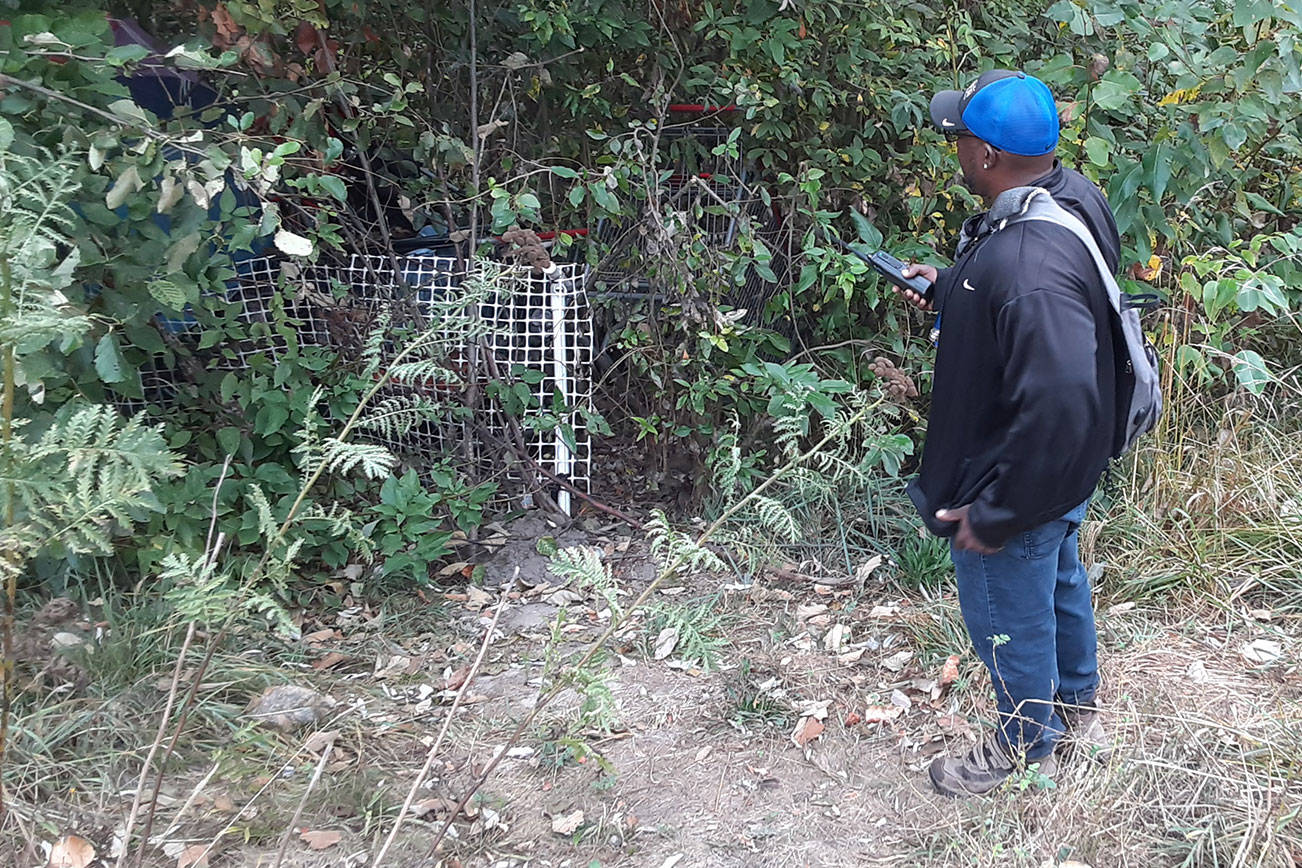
{"points": [[1021, 425]]}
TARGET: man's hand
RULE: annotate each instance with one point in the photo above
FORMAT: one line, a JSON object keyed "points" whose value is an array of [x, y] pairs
{"points": [[927, 271], [964, 538]]}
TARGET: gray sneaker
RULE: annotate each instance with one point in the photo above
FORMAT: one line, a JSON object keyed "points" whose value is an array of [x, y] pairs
{"points": [[1085, 733], [981, 770]]}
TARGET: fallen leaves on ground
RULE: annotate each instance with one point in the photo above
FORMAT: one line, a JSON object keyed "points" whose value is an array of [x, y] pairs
{"points": [[837, 638], [881, 713], [71, 851], [320, 839], [807, 730], [288, 707], [319, 741], [567, 824], [666, 642], [897, 661], [193, 856], [949, 672], [866, 569], [435, 806], [454, 678], [1262, 651], [329, 661]]}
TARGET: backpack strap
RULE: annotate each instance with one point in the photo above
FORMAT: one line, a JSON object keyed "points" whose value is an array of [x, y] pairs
{"points": [[1038, 204]]}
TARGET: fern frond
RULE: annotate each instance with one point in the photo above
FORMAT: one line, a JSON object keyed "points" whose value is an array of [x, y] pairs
{"points": [[581, 565], [375, 461], [775, 518], [675, 551], [88, 472], [267, 525]]}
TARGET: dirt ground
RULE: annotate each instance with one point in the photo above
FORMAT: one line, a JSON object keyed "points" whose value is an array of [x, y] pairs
{"points": [[804, 745]]}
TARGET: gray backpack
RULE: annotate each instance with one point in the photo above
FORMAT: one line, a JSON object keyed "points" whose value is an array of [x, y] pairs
{"points": [[1139, 391]]}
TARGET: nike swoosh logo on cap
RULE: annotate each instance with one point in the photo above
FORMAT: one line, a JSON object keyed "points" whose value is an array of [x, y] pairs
{"points": [[968, 286], [946, 122]]}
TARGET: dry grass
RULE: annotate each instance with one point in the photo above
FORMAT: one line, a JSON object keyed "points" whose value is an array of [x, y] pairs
{"points": [[1205, 774]]}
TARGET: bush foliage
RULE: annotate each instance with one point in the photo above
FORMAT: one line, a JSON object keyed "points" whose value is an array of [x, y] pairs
{"points": [[337, 127]]}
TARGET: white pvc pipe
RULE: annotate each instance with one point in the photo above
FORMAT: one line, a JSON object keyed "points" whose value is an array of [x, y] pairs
{"points": [[561, 374]]}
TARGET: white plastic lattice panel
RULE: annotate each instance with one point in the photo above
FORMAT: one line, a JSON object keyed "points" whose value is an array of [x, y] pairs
{"points": [[537, 330], [275, 299]]}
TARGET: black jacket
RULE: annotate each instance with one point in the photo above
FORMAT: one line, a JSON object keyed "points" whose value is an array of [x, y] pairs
{"points": [[1024, 396]]}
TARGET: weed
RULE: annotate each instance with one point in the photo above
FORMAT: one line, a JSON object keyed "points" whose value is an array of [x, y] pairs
{"points": [[922, 561], [699, 628], [753, 704]]}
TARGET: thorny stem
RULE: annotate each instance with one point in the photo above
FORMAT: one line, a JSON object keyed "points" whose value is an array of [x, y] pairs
{"points": [[617, 622], [11, 582]]}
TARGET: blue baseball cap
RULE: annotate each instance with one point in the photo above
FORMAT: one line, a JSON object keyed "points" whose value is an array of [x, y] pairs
{"points": [[1010, 110]]}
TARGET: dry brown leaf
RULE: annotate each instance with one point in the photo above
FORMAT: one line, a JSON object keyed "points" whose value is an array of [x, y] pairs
{"points": [[666, 642], [477, 598], [306, 38], [807, 611], [71, 851], [456, 678], [194, 856], [807, 730], [329, 661], [567, 824], [436, 806], [866, 569], [320, 840], [319, 741], [1262, 651], [949, 672], [836, 638], [881, 713]]}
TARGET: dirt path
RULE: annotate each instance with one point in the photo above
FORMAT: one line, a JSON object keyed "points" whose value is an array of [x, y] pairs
{"points": [[803, 743]]}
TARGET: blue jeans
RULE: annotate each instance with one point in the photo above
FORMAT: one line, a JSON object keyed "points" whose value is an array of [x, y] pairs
{"points": [[1028, 610]]}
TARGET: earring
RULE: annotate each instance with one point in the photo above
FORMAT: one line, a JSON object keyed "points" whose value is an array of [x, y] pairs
{"points": [[985, 165]]}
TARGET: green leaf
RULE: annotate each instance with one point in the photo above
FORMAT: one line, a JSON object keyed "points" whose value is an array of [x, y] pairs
{"points": [[564, 172], [130, 112], [604, 197], [1115, 89], [229, 440], [6, 134], [1097, 150], [576, 196], [179, 252], [120, 55], [168, 293], [868, 233], [109, 363], [1234, 136], [1251, 371], [228, 386], [334, 185]]}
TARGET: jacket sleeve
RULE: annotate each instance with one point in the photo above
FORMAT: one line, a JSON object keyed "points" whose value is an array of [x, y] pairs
{"points": [[1046, 340]]}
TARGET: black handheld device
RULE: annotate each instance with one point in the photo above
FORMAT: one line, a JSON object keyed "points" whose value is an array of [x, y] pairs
{"points": [[893, 270]]}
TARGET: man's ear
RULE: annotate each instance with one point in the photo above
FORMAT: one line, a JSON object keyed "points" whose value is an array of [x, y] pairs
{"points": [[990, 158]]}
